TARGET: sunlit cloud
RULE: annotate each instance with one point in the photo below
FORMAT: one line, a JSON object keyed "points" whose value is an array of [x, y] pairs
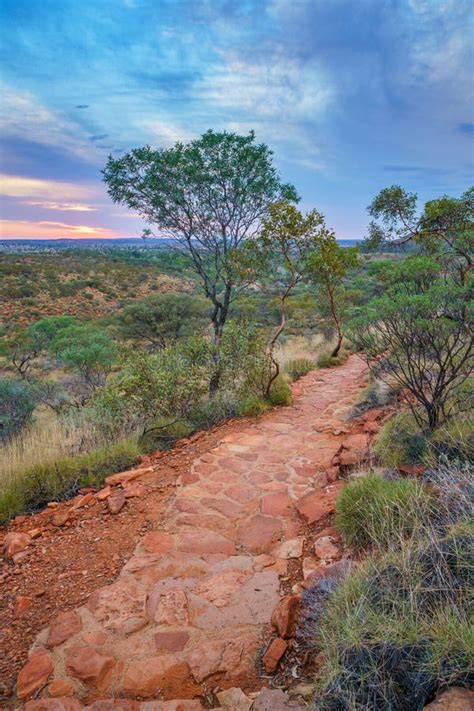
{"points": [[45, 229], [62, 206], [20, 187]]}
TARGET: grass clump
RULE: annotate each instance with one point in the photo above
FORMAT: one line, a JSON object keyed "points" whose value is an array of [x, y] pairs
{"points": [[280, 392], [252, 406], [299, 367], [398, 628], [30, 488], [400, 441], [376, 512]]}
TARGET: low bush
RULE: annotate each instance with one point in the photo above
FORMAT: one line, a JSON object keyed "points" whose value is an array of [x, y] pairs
{"points": [[161, 433], [453, 440], [17, 404], [31, 488], [400, 441], [280, 392], [397, 629], [253, 406], [376, 512], [299, 367], [327, 361]]}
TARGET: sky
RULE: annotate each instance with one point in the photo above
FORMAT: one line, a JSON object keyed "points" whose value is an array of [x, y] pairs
{"points": [[351, 95]]}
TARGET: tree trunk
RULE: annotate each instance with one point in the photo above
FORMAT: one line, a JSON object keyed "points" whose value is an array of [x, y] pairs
{"points": [[336, 350], [271, 347]]}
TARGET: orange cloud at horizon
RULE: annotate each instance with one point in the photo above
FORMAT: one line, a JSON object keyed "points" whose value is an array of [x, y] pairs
{"points": [[44, 229]]}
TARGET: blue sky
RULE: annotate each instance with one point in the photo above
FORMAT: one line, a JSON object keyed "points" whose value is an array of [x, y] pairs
{"points": [[352, 96]]}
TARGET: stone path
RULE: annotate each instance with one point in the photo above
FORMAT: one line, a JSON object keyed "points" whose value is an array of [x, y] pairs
{"points": [[191, 609]]}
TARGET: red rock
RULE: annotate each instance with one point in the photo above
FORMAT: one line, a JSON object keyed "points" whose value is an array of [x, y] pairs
{"points": [[83, 501], [411, 469], [229, 656], [200, 541], [64, 626], [116, 502], [258, 533], [158, 542], [172, 608], [277, 504], [22, 605], [355, 450], [274, 653], [171, 641], [34, 674], [242, 493], [220, 588], [371, 427], [372, 415], [15, 543], [234, 700], [125, 477], [326, 548], [103, 493], [164, 674], [84, 662], [120, 607], [35, 532], [316, 506], [285, 615], [59, 687], [454, 699], [135, 489], [64, 703], [290, 549], [95, 637], [223, 506], [114, 705], [59, 518], [276, 700]]}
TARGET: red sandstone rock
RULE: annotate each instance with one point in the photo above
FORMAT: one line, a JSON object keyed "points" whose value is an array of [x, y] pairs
{"points": [[285, 615], [104, 493], [277, 504], [326, 549], [125, 477], [274, 653], [202, 541], [60, 704], [229, 656], [34, 674], [164, 674], [234, 700], [116, 705], [171, 641], [258, 533], [60, 687], [64, 626], [83, 501], [15, 543], [220, 588], [289, 549], [454, 699], [172, 608], [355, 450], [22, 605], [158, 542], [135, 489], [59, 518], [84, 662], [316, 506], [95, 637], [116, 502], [275, 700]]}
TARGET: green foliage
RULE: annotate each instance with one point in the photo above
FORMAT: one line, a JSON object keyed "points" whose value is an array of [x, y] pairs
{"points": [[400, 441], [43, 332], [162, 318], [87, 350], [419, 333], [35, 486], [327, 361], [298, 367], [245, 361], [380, 513], [252, 406], [17, 403], [280, 392], [160, 433]]}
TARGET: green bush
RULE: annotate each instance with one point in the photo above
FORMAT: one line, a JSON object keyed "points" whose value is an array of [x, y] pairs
{"points": [[33, 487], [161, 433], [397, 629], [298, 367], [376, 512], [280, 392], [252, 406], [326, 361], [400, 441], [453, 440], [17, 404]]}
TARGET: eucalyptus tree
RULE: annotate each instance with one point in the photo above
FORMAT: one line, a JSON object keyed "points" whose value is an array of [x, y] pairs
{"points": [[210, 196], [445, 226]]}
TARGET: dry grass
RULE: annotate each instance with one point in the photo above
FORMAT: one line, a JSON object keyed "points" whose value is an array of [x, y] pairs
{"points": [[301, 347]]}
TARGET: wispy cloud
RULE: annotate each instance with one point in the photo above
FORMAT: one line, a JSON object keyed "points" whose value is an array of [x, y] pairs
{"points": [[62, 206], [45, 229], [21, 187]]}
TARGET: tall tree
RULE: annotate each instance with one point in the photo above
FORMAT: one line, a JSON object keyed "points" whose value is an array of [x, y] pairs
{"points": [[275, 260], [210, 195], [327, 268], [445, 226]]}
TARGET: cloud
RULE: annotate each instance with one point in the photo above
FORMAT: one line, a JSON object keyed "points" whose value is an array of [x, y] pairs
{"points": [[99, 137], [20, 187], [62, 206], [45, 229]]}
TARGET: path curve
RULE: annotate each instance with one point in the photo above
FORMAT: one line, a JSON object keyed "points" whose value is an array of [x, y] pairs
{"points": [[192, 608]]}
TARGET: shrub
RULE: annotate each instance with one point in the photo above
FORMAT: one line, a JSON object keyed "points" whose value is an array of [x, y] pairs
{"points": [[253, 406], [327, 361], [280, 393], [17, 404], [299, 367], [453, 440], [31, 488], [400, 441], [209, 412], [376, 512], [161, 433], [397, 629]]}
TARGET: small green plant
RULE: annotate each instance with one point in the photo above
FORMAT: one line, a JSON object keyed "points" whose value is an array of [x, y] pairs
{"points": [[400, 441], [326, 361], [299, 367], [280, 393], [253, 406], [380, 513]]}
